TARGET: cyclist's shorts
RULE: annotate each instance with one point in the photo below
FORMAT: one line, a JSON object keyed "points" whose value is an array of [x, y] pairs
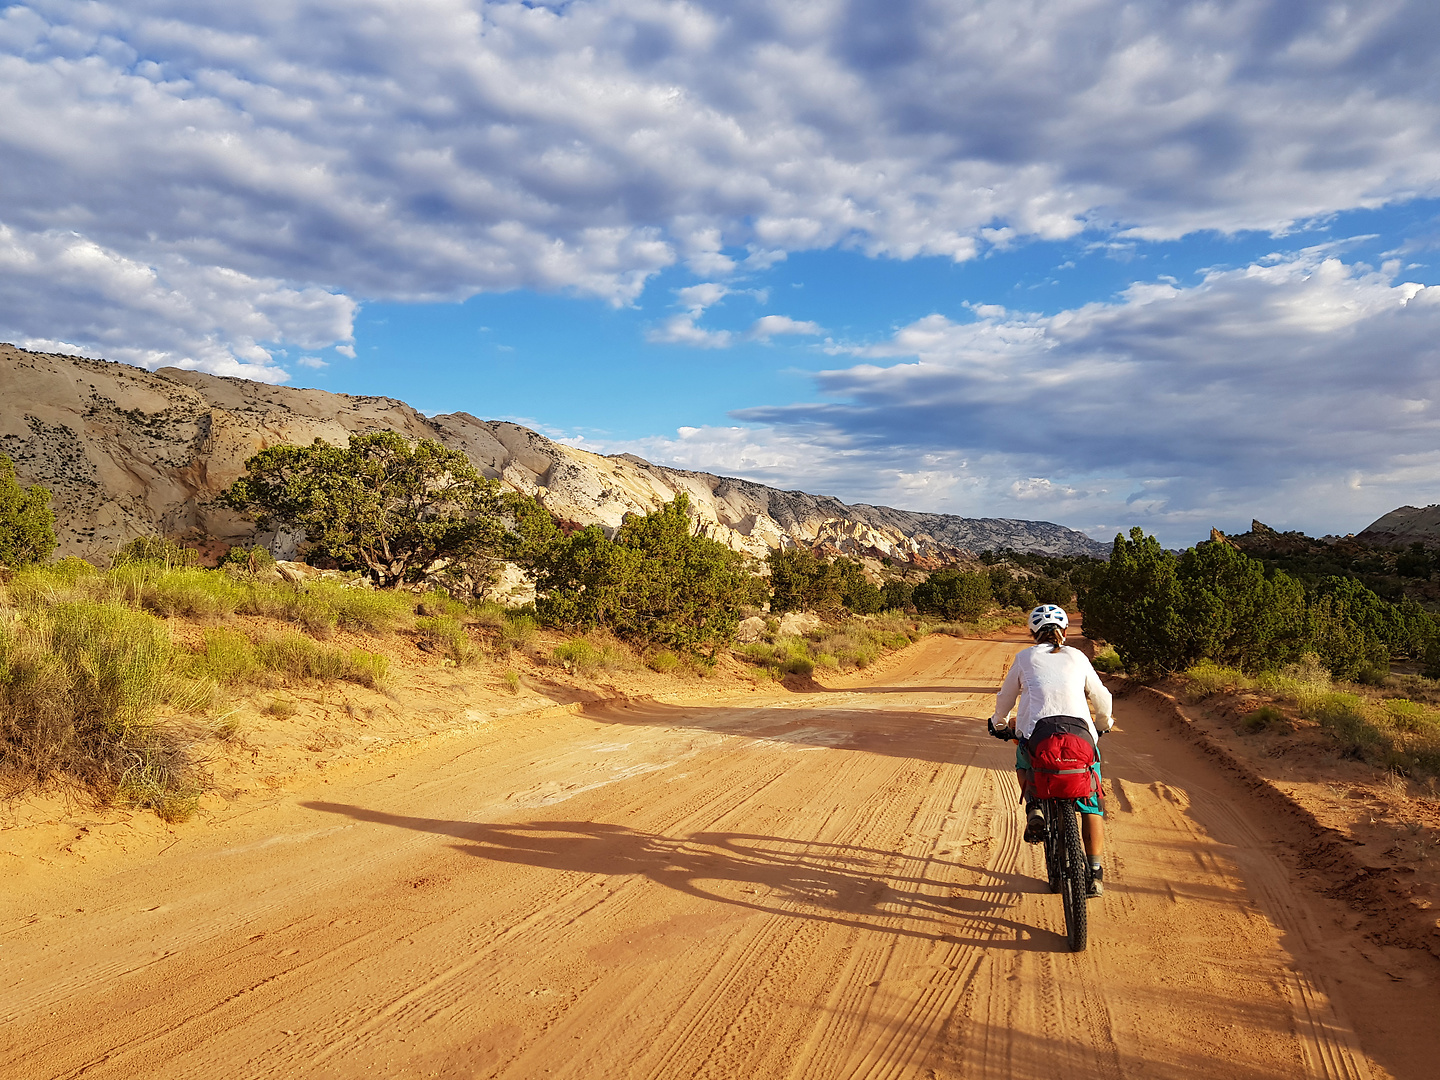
{"points": [[1088, 805]]}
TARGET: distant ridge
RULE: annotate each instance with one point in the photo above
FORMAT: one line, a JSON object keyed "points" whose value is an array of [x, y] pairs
{"points": [[127, 452]]}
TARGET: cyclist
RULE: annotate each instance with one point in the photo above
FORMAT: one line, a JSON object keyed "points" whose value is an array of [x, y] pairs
{"points": [[1053, 682]]}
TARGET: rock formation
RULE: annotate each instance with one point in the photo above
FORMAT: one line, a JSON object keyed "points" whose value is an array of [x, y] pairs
{"points": [[1404, 526], [126, 452]]}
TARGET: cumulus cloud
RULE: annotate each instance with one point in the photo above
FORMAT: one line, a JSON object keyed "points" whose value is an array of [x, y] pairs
{"points": [[180, 314], [1301, 375], [768, 326], [391, 150], [683, 329]]}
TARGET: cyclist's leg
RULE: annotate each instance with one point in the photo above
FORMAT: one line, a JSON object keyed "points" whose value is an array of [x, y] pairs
{"points": [[1092, 819], [1022, 771]]}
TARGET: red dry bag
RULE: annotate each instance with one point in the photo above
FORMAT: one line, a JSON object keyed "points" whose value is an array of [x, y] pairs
{"points": [[1061, 766]]}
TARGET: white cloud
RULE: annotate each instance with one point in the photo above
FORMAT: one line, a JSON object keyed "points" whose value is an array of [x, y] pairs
{"points": [[696, 298], [390, 150], [768, 326], [178, 314], [681, 330], [1300, 390]]}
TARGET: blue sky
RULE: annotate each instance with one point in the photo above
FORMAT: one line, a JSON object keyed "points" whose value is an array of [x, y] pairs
{"points": [[1104, 264]]}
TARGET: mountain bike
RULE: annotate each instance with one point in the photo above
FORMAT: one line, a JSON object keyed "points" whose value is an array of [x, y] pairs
{"points": [[1067, 867]]}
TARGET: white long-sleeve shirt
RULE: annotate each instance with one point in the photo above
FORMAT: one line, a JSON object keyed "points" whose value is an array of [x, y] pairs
{"points": [[1049, 683]]}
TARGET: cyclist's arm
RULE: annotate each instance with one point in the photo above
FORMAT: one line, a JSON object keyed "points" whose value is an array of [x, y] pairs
{"points": [[1100, 701], [1007, 697]]}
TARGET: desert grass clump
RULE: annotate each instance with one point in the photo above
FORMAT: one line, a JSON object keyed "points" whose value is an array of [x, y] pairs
{"points": [[488, 613], [161, 776], [586, 656], [446, 633], [227, 656], [373, 611], [1261, 719], [517, 631], [190, 592], [68, 579], [156, 551], [439, 602], [857, 643], [1207, 679], [512, 680], [663, 662], [300, 657], [81, 687]]}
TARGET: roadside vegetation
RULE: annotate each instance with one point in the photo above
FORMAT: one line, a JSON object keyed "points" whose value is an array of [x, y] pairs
{"points": [[1165, 611], [1321, 649], [1395, 726], [119, 681]]}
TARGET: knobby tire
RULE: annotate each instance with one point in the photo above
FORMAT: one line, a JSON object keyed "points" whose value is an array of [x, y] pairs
{"points": [[1076, 875], [1054, 855]]}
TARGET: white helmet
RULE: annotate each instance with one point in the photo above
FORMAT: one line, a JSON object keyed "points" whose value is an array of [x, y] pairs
{"points": [[1048, 615]]}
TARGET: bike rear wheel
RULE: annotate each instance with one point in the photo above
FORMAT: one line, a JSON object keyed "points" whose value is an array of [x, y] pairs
{"points": [[1054, 846], [1075, 881]]}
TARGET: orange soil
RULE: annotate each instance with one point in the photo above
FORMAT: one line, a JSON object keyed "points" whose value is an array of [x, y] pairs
{"points": [[747, 885]]}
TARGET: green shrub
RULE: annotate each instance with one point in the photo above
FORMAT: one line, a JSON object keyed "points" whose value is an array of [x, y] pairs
{"points": [[953, 594], [512, 680], [1108, 661], [381, 503], [156, 551], [1373, 674], [80, 686], [228, 657], [192, 593], [664, 662], [371, 610], [27, 524], [247, 560], [446, 632], [1261, 719], [517, 631]]}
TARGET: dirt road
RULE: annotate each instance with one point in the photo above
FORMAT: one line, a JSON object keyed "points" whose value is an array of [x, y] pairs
{"points": [[820, 885]]}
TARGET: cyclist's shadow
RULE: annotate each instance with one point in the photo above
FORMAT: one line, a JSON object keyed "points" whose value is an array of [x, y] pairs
{"points": [[842, 884]]}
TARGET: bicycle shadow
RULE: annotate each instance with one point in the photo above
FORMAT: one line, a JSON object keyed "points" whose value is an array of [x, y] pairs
{"points": [[840, 884]]}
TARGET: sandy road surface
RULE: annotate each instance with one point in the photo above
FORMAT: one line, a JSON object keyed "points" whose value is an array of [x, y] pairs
{"points": [[824, 885]]}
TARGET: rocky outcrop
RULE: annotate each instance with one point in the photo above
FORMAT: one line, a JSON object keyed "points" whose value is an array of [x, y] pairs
{"points": [[1404, 526], [126, 452]]}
